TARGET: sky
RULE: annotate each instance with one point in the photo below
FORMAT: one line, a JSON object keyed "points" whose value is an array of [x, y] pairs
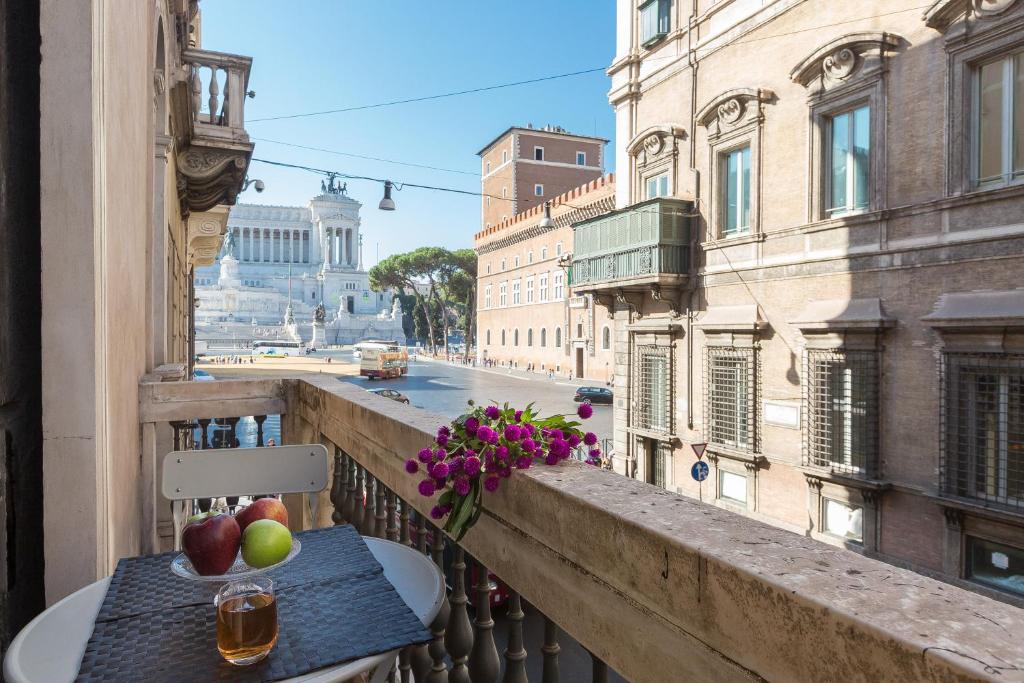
{"points": [[315, 55]]}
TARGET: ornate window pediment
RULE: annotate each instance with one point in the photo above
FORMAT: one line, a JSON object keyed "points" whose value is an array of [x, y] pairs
{"points": [[944, 13], [845, 59], [656, 143], [733, 109]]}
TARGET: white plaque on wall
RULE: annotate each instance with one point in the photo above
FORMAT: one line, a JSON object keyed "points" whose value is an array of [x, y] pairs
{"points": [[782, 413]]}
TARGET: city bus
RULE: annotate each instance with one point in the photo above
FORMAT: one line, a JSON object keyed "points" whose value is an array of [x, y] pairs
{"points": [[382, 359], [278, 348]]}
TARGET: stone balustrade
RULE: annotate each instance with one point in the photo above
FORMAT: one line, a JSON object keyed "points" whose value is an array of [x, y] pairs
{"points": [[655, 585], [219, 85]]}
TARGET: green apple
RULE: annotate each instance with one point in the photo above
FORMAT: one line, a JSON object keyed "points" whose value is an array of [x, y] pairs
{"points": [[265, 542]]}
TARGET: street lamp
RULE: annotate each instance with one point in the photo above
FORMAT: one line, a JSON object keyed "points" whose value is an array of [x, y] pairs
{"points": [[546, 222], [387, 203]]}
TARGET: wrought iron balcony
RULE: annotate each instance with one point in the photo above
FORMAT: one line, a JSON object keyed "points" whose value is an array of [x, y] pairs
{"points": [[642, 245], [653, 585]]}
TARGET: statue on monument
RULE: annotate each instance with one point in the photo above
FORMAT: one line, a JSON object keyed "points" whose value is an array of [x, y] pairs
{"points": [[320, 313], [229, 244], [396, 309]]}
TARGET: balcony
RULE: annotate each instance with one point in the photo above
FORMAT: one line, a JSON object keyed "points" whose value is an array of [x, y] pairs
{"points": [[654, 585], [642, 246]]}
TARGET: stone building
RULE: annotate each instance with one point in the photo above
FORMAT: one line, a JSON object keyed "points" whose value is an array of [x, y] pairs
{"points": [[525, 167], [281, 258], [815, 268], [527, 313]]}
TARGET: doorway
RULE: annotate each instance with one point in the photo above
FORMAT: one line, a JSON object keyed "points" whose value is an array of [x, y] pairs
{"points": [[579, 363], [350, 304]]}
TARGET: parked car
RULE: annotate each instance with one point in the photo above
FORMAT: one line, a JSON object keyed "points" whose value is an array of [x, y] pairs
{"points": [[390, 393], [593, 395], [202, 376]]}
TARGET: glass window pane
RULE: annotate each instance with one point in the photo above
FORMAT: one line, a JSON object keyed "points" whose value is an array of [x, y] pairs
{"points": [[745, 198], [1018, 114], [652, 188], [663, 186], [990, 121], [861, 156], [840, 154], [731, 193], [732, 486], [995, 564], [845, 521]]}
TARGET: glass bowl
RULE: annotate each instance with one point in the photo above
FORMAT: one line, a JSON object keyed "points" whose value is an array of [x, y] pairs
{"points": [[181, 566]]}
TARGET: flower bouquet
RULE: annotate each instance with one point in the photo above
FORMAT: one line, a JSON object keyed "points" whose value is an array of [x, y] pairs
{"points": [[485, 445]]}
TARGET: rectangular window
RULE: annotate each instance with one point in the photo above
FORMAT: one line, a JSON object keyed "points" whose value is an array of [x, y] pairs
{"points": [[655, 21], [529, 290], [653, 389], [487, 296], [661, 463], [657, 186], [515, 293], [736, 202], [503, 294], [1000, 114], [488, 167], [559, 289], [850, 161], [731, 397], [843, 520], [581, 158], [538, 154], [984, 427], [538, 190], [544, 287], [994, 564], [841, 399], [732, 486]]}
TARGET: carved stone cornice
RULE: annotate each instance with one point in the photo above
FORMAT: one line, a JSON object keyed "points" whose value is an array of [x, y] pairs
{"points": [[670, 296], [211, 176], [944, 13], [845, 59], [656, 143], [206, 235], [733, 109], [631, 300]]}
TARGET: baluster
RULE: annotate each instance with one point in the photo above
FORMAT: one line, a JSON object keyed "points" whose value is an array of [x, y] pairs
{"points": [[421, 537], [349, 510], [356, 519], [370, 512], [458, 638], [405, 665], [339, 488], [438, 648], [177, 427], [600, 669], [392, 529], [224, 103], [259, 419], [421, 661], [214, 93], [550, 650], [484, 663], [204, 426], [380, 510], [403, 523], [515, 653], [197, 91], [233, 432]]}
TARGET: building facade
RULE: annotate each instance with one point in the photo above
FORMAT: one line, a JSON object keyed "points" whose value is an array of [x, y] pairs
{"points": [[525, 167], [528, 316], [814, 268], [282, 261]]}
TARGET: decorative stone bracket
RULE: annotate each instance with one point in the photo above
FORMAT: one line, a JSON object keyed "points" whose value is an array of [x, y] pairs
{"points": [[208, 177], [845, 59], [206, 235]]}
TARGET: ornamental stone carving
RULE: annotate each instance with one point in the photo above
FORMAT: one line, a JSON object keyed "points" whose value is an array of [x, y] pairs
{"points": [[846, 59], [733, 110], [209, 177], [655, 144], [941, 15]]}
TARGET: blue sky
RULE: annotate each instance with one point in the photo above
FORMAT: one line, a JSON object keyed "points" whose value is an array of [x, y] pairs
{"points": [[312, 55]]}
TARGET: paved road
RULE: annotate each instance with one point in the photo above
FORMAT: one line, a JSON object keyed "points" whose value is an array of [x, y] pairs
{"points": [[445, 389]]}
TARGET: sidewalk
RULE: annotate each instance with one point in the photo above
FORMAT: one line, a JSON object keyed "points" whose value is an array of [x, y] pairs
{"points": [[521, 374]]}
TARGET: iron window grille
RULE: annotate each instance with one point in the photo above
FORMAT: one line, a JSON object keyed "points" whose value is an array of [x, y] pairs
{"points": [[841, 395], [653, 389], [983, 428], [661, 463], [731, 395]]}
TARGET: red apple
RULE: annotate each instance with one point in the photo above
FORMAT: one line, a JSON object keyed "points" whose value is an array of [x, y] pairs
{"points": [[211, 544], [264, 508]]}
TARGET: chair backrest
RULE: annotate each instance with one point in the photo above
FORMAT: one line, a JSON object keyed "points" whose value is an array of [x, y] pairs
{"points": [[217, 472]]}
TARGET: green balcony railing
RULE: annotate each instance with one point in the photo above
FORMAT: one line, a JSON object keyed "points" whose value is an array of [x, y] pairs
{"points": [[646, 240]]}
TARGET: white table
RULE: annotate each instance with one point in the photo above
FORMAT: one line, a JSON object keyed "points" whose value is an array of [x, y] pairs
{"points": [[50, 648]]}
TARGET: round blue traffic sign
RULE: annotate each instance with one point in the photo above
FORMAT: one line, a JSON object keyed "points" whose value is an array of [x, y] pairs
{"points": [[699, 471]]}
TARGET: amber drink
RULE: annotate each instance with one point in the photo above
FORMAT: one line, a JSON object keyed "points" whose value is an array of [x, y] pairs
{"points": [[246, 620]]}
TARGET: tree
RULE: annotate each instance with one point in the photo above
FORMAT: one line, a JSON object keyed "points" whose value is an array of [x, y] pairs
{"points": [[401, 272]]}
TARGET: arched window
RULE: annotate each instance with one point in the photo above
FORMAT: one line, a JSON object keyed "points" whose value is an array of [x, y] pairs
{"points": [[543, 253], [503, 337], [515, 338], [488, 337], [529, 337], [558, 337], [543, 336], [606, 338]]}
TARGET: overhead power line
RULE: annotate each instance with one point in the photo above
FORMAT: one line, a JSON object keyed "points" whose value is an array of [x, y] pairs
{"points": [[426, 98], [363, 156]]}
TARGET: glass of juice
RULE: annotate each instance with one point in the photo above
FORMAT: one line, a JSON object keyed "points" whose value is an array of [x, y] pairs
{"points": [[246, 620]]}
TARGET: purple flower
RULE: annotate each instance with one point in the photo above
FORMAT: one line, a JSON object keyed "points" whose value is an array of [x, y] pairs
{"points": [[472, 424], [523, 462], [558, 447], [519, 416], [485, 434], [585, 410], [573, 440], [444, 431], [538, 452], [505, 473], [472, 466], [442, 439], [491, 483], [439, 511], [593, 461], [590, 438], [551, 459], [427, 488], [492, 412], [530, 429], [470, 453], [512, 433], [440, 470], [411, 466], [556, 434], [440, 454], [462, 486], [595, 453], [456, 464], [501, 452], [439, 483], [425, 455], [528, 444]]}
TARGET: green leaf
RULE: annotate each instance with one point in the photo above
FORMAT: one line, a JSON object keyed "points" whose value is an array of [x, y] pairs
{"points": [[446, 497]]}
